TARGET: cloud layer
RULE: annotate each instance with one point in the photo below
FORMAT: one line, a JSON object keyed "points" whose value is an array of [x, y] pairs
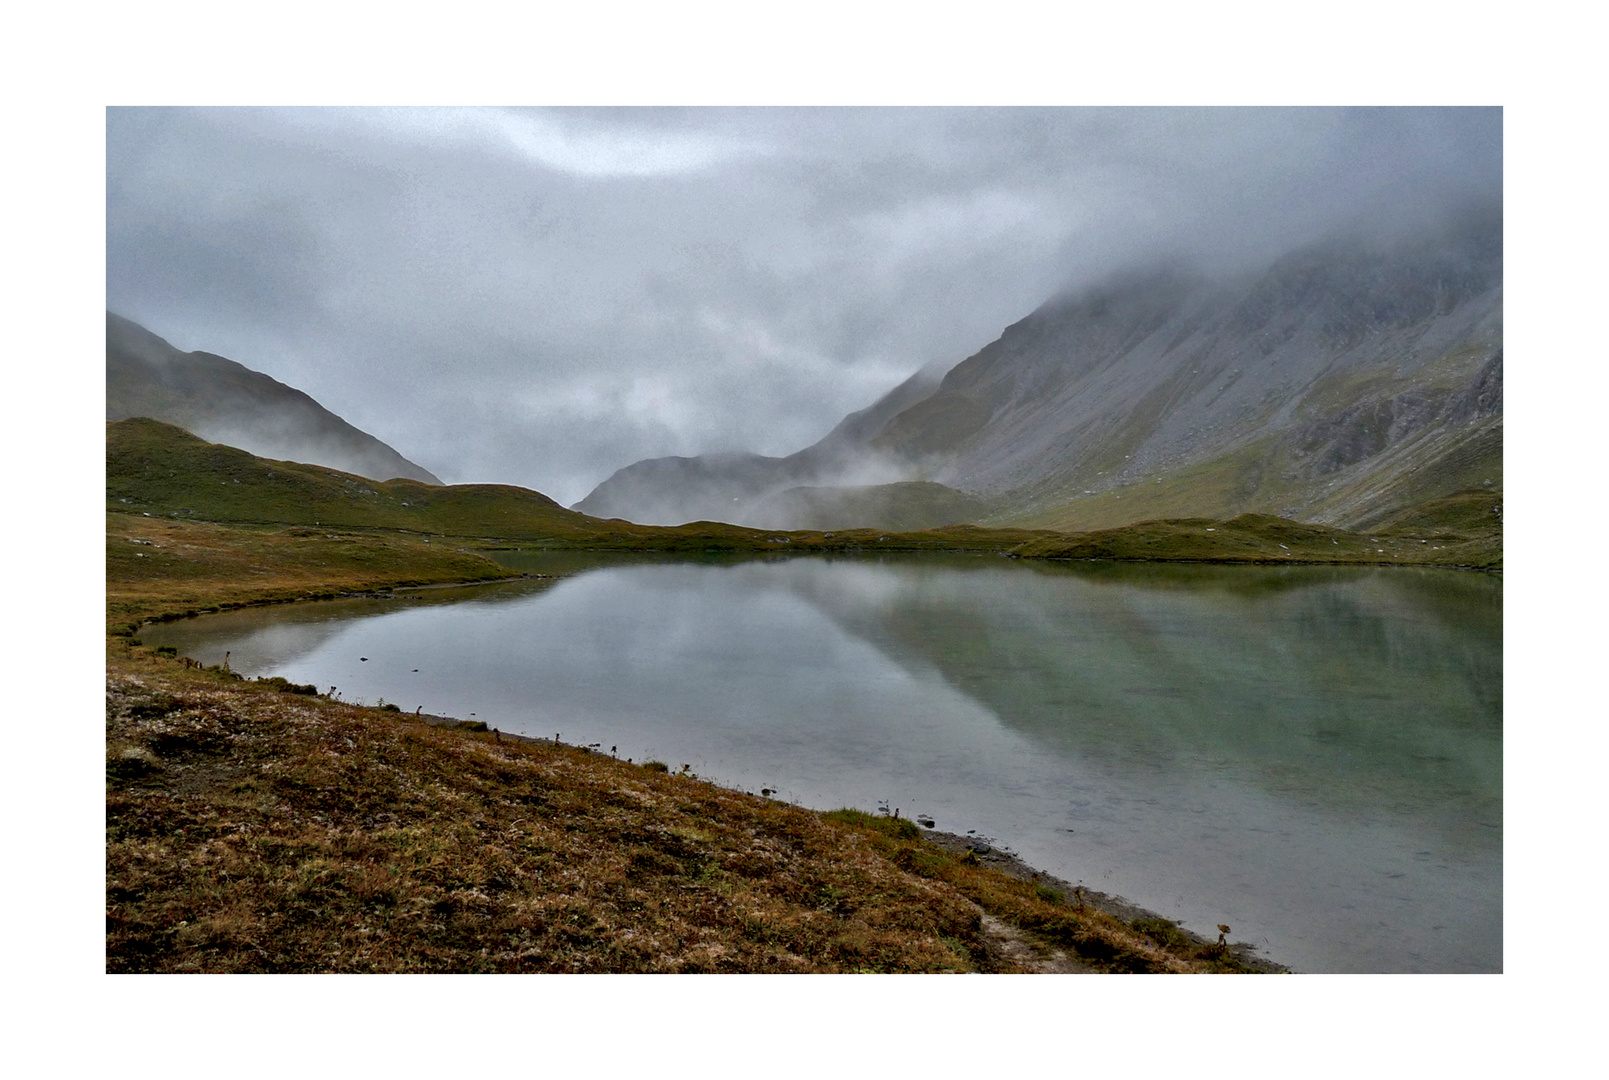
{"points": [[541, 297]]}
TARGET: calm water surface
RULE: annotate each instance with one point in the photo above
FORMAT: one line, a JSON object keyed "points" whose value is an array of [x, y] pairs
{"points": [[1312, 755]]}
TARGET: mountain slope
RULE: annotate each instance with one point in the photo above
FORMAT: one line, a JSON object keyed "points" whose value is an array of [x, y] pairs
{"points": [[226, 402], [1344, 382], [744, 487], [157, 468], [159, 471], [1313, 390]]}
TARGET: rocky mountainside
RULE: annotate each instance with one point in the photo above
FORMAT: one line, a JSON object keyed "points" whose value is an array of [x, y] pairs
{"points": [[1346, 381], [225, 402]]}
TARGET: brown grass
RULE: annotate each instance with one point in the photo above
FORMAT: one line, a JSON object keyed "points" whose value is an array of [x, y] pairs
{"points": [[249, 828], [157, 567], [254, 830]]}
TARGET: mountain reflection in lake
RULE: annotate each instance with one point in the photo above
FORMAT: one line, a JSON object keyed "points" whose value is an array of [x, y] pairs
{"points": [[1312, 755]]}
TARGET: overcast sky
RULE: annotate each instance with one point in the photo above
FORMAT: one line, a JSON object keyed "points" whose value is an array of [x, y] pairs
{"points": [[541, 297]]}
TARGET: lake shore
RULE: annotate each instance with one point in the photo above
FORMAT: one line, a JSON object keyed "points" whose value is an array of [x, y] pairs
{"points": [[1021, 919], [256, 828], [997, 937], [1006, 863], [996, 858]]}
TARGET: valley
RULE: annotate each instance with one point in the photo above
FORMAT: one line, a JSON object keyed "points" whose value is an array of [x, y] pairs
{"points": [[1187, 583], [370, 822]]}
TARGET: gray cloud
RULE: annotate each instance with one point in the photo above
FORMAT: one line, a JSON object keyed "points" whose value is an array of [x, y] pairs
{"points": [[543, 296]]}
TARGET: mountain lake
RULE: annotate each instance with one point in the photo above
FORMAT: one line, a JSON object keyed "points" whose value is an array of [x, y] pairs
{"points": [[1310, 754]]}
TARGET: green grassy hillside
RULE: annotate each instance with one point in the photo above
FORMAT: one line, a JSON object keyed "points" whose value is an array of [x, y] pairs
{"points": [[157, 471], [160, 471], [1267, 477], [157, 567], [220, 399], [1453, 531], [156, 468], [1471, 514]]}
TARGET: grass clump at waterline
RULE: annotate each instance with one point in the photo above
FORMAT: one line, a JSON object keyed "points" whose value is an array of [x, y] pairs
{"points": [[254, 828]]}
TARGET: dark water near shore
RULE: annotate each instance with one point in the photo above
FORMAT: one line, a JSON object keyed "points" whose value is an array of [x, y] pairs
{"points": [[1312, 755]]}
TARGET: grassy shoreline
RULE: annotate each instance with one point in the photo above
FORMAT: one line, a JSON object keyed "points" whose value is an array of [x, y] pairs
{"points": [[252, 827]]}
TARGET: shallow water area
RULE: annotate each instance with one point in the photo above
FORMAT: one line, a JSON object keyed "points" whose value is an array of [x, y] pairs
{"points": [[1312, 755]]}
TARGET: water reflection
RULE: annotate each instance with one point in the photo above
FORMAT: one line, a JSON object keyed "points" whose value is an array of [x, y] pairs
{"points": [[1310, 754]]}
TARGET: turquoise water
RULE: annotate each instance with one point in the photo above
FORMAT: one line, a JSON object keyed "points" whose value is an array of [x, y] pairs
{"points": [[1312, 755]]}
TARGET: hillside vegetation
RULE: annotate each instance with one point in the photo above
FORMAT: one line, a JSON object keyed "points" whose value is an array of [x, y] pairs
{"points": [[160, 470], [157, 468], [1464, 529], [222, 400], [160, 568], [192, 524]]}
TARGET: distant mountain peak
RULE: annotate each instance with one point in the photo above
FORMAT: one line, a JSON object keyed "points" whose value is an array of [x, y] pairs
{"points": [[226, 402], [1343, 381]]}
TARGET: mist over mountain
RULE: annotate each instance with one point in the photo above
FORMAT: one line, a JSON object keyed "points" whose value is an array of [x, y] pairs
{"points": [[225, 402], [722, 487], [1347, 380]]}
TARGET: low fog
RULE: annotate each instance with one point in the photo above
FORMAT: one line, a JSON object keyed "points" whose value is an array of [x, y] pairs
{"points": [[541, 297]]}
